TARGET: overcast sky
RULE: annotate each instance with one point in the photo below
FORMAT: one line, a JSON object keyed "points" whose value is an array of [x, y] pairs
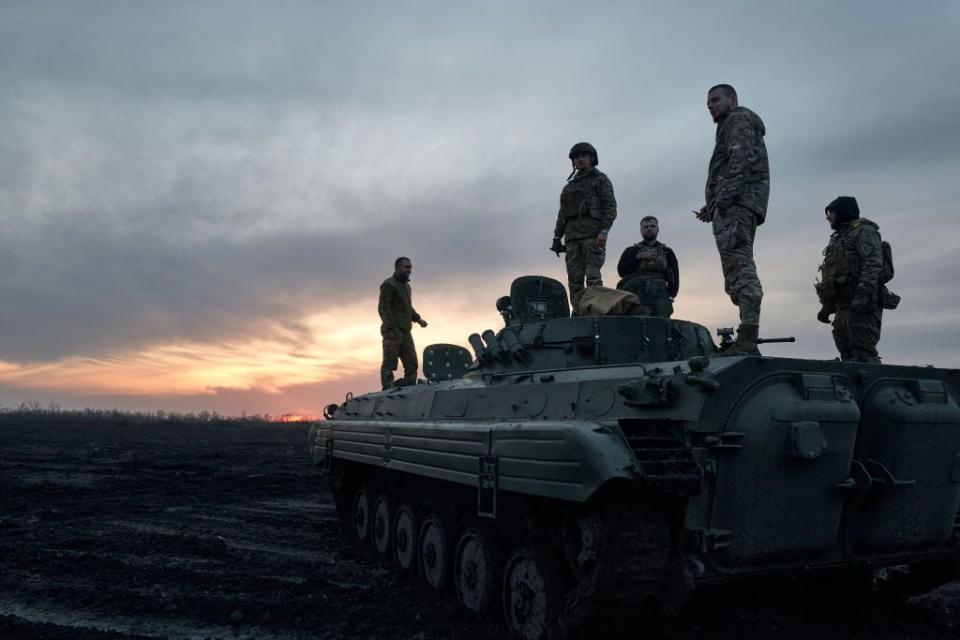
{"points": [[199, 199]]}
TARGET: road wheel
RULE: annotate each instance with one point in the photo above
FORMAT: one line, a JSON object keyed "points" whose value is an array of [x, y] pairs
{"points": [[361, 515], [477, 569], [381, 525], [435, 551], [532, 592], [405, 538]]}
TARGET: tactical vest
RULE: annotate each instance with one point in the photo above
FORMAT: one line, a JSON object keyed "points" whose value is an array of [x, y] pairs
{"points": [[580, 207], [653, 261], [841, 263], [577, 200]]}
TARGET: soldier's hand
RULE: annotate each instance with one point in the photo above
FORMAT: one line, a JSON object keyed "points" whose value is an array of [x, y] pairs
{"points": [[824, 315], [703, 215], [602, 240], [557, 247], [422, 322]]}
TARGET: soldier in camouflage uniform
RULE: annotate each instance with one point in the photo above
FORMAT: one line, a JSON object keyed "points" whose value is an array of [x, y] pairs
{"points": [[397, 316], [737, 191], [587, 210], [650, 270], [850, 282]]}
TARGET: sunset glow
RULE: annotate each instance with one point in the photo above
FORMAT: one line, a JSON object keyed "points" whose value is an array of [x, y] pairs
{"points": [[203, 223], [337, 344]]}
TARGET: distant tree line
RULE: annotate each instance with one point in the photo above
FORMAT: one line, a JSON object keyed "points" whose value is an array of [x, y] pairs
{"points": [[32, 412]]}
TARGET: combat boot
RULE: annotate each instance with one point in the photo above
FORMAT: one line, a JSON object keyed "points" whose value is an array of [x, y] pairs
{"points": [[746, 342]]}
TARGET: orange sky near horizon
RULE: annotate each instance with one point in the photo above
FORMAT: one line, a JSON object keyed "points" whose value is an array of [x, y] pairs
{"points": [[340, 344]]}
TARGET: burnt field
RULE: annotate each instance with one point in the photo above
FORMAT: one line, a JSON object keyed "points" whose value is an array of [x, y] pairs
{"points": [[226, 531]]}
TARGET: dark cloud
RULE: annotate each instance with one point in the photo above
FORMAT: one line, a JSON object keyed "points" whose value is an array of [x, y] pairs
{"points": [[72, 290], [212, 172]]}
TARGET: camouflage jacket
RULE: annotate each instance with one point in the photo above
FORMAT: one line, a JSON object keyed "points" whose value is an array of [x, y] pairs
{"points": [[587, 206], [852, 263], [739, 174], [396, 306], [654, 260]]}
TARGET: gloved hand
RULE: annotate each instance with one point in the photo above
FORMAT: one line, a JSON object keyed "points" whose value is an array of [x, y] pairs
{"points": [[824, 315], [557, 247]]}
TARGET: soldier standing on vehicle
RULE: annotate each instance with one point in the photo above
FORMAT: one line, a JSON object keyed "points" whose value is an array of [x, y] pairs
{"points": [[737, 192], [856, 267], [650, 270], [397, 316], [587, 210]]}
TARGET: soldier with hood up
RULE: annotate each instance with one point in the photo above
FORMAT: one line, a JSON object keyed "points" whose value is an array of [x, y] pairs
{"points": [[737, 192], [587, 210], [852, 279]]}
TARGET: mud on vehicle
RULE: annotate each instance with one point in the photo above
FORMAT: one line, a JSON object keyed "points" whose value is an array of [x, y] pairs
{"points": [[574, 461]]}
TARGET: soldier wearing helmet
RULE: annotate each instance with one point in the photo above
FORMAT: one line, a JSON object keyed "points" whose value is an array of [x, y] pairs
{"points": [[587, 210]]}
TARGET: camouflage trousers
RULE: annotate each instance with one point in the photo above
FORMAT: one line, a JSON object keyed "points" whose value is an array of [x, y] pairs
{"points": [[584, 260], [734, 231], [856, 334], [398, 344], [654, 298]]}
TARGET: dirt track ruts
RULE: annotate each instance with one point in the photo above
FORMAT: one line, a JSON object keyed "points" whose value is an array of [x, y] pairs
{"points": [[228, 532]]}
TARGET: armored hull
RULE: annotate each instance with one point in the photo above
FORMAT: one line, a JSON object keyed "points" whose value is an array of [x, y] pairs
{"points": [[583, 460]]}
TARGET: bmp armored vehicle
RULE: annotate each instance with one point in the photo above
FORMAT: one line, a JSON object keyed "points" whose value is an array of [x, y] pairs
{"points": [[583, 460]]}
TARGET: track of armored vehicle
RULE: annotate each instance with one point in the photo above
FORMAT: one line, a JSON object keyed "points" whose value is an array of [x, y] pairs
{"points": [[579, 461]]}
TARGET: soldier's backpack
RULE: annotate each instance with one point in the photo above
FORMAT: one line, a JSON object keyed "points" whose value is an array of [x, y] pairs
{"points": [[888, 299], [886, 273]]}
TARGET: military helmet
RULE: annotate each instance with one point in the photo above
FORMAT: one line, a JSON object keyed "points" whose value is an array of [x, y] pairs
{"points": [[584, 147]]}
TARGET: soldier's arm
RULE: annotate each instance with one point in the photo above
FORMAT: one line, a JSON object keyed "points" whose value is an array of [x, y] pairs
{"points": [[385, 306], [628, 262], [416, 316], [608, 203], [871, 261], [561, 223], [673, 273], [743, 146]]}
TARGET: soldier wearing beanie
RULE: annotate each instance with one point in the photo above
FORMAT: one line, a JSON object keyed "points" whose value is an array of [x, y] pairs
{"points": [[852, 279]]}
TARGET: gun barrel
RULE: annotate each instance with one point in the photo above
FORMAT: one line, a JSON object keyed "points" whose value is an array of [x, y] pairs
{"points": [[769, 340]]}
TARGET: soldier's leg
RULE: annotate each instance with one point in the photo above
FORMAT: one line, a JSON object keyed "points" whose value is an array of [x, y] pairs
{"points": [[734, 235], [666, 308], [576, 271], [408, 356], [595, 257], [841, 333], [864, 334], [659, 299], [391, 351]]}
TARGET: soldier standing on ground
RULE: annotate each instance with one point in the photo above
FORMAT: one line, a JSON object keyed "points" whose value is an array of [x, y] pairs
{"points": [[650, 270], [587, 210], [851, 282], [737, 192], [397, 316]]}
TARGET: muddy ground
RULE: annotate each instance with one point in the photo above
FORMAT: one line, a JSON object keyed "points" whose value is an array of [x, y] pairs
{"points": [[113, 532]]}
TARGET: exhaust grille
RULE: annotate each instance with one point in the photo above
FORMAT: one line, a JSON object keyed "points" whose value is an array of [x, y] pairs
{"points": [[666, 463]]}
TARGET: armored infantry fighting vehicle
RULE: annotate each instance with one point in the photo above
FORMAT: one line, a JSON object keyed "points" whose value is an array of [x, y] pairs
{"points": [[571, 461]]}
